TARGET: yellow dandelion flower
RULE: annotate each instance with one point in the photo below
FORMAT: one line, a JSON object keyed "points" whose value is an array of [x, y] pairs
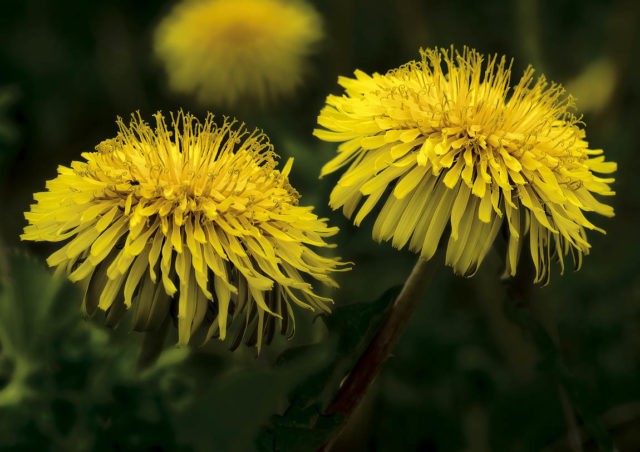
{"points": [[191, 220], [227, 51], [447, 141]]}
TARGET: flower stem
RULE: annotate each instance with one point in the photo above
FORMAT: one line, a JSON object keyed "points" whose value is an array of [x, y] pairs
{"points": [[573, 431], [519, 293], [371, 361]]}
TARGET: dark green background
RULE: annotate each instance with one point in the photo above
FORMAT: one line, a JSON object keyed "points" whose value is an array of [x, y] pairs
{"points": [[464, 376]]}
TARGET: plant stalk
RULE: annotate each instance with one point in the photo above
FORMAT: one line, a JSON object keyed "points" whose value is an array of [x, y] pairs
{"points": [[519, 292], [370, 363]]}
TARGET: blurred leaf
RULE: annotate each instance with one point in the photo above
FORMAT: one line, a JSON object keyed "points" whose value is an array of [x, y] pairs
{"points": [[30, 316], [8, 130], [9, 95], [356, 323], [553, 363], [303, 426], [63, 385], [303, 431]]}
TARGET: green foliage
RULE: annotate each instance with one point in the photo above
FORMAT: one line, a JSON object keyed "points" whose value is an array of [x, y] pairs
{"points": [[552, 362], [65, 385], [68, 384], [8, 130], [303, 426], [8, 96]]}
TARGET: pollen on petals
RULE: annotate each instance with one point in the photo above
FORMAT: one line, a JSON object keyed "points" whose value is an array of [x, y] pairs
{"points": [[451, 149], [189, 220]]}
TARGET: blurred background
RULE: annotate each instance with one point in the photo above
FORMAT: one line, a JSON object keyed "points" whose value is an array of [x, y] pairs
{"points": [[466, 375]]}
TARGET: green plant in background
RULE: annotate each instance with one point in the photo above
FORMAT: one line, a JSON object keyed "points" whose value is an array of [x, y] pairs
{"points": [[62, 385], [69, 384], [26, 325], [8, 132]]}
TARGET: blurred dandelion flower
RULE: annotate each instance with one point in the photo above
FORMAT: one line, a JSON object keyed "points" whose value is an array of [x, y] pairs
{"points": [[187, 215], [448, 141], [228, 51]]}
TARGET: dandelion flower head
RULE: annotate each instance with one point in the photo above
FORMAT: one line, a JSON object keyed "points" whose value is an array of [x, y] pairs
{"points": [[190, 220], [452, 149], [230, 51]]}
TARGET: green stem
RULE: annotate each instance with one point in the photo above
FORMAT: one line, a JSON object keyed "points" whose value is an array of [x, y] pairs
{"points": [[371, 361], [519, 293], [528, 20], [573, 431]]}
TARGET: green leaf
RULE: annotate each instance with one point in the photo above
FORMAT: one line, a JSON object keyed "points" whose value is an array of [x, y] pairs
{"points": [[307, 430], [553, 363], [356, 323], [303, 426], [8, 131]]}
